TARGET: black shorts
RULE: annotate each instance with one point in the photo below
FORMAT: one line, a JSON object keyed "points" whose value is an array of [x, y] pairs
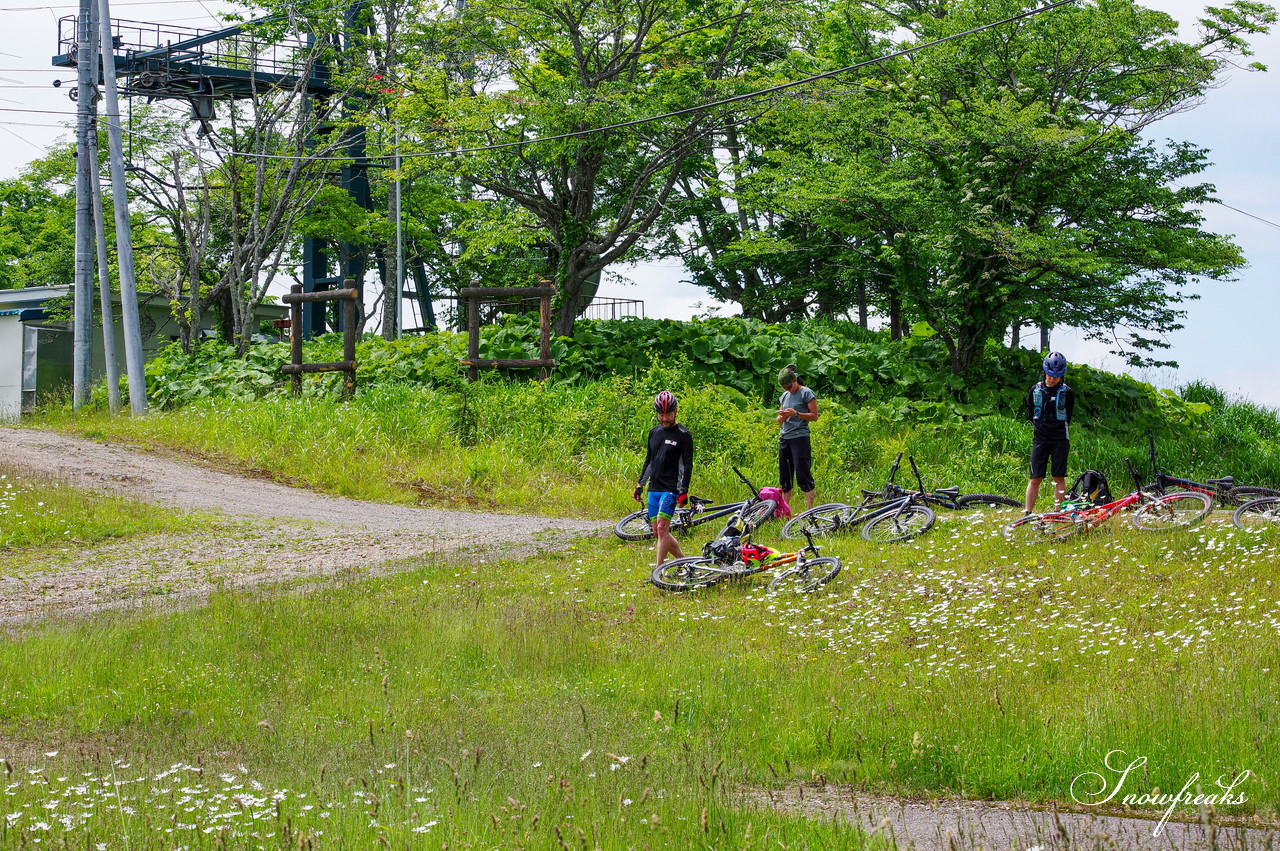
{"points": [[1042, 452], [795, 460]]}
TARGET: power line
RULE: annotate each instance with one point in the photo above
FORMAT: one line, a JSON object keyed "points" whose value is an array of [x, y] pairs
{"points": [[39, 111], [1250, 215], [113, 5], [21, 138]]}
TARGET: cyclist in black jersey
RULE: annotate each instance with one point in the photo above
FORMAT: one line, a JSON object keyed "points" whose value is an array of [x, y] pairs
{"points": [[668, 464], [1050, 406]]}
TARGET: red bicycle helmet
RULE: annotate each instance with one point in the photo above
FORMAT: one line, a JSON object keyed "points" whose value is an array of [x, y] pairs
{"points": [[753, 554], [665, 402]]}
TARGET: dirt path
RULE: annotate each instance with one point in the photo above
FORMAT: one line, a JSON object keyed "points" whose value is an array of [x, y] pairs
{"points": [[264, 532], [972, 825]]}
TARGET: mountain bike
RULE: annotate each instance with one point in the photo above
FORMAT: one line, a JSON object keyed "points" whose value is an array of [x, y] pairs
{"points": [[1224, 490], [636, 526], [883, 516], [1155, 512], [803, 570]]}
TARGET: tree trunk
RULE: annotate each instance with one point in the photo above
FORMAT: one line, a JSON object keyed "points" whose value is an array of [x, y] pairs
{"points": [[1015, 334], [965, 349], [1044, 338], [566, 306], [862, 303], [895, 318]]}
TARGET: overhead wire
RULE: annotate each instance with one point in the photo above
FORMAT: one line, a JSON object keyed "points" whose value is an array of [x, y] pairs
{"points": [[1250, 215]]}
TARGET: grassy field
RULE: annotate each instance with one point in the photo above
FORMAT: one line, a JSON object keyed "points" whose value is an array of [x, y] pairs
{"points": [[36, 511], [562, 702]]}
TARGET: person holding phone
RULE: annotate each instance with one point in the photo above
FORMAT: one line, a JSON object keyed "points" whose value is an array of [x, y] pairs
{"points": [[797, 407]]}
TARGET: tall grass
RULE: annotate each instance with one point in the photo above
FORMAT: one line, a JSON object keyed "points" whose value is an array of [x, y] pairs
{"points": [[576, 448]]}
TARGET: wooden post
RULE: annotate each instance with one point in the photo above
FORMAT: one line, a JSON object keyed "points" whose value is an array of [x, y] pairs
{"points": [[295, 299], [473, 339], [349, 337], [473, 295], [544, 342], [295, 337]]}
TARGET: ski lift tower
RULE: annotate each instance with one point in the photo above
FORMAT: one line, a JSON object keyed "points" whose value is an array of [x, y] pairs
{"points": [[201, 67]]}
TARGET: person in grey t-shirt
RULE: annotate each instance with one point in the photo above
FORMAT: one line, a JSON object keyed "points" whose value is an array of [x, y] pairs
{"points": [[797, 407]]}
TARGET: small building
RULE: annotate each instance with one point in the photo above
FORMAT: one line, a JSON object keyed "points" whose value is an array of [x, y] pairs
{"points": [[36, 342]]}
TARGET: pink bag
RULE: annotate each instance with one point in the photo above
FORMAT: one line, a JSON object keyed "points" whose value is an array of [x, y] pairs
{"points": [[774, 494]]}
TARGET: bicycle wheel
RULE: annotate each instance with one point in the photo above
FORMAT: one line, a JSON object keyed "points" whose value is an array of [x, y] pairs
{"points": [[1174, 511], [899, 526], [807, 575], [634, 527], [758, 514], [1039, 528], [1257, 514], [684, 574], [1244, 493], [821, 520], [986, 502]]}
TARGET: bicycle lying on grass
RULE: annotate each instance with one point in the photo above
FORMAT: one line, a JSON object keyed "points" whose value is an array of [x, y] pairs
{"points": [[892, 513], [636, 527], [1224, 490], [1156, 512], [734, 557]]}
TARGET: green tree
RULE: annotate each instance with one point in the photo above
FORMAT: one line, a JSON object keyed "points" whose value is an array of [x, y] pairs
{"points": [[1006, 176], [37, 224], [511, 72]]}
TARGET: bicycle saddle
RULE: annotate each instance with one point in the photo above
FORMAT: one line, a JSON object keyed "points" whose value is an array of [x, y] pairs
{"points": [[952, 492], [1229, 481], [868, 493], [697, 501]]}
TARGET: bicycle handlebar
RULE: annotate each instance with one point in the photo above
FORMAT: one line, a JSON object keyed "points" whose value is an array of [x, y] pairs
{"points": [[1133, 471], [916, 470], [754, 491], [893, 472]]}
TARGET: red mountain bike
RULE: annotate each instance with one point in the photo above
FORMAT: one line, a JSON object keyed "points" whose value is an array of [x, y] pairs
{"points": [[1155, 512]]}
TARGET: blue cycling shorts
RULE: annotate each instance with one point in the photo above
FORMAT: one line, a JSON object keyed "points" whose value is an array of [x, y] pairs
{"points": [[662, 504]]}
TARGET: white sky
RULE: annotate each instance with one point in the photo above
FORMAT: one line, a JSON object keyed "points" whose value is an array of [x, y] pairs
{"points": [[1229, 339]]}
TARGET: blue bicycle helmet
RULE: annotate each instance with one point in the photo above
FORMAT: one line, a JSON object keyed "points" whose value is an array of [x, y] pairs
{"points": [[1055, 365]]}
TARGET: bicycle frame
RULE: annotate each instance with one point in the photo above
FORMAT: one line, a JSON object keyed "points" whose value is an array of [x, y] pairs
{"points": [[1093, 517], [697, 512], [736, 568], [875, 503], [1216, 488]]}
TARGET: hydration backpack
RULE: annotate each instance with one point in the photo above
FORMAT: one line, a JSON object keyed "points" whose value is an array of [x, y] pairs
{"points": [[1060, 402], [1092, 486]]}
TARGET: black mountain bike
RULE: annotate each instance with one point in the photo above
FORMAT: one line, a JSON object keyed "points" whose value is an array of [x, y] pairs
{"points": [[891, 513], [636, 527], [1224, 491]]}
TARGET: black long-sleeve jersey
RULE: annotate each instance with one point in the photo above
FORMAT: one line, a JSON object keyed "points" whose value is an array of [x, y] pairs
{"points": [[668, 463]]}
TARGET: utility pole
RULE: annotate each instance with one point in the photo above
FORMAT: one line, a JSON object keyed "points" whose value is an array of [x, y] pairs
{"points": [[124, 240], [399, 248], [86, 127], [104, 283]]}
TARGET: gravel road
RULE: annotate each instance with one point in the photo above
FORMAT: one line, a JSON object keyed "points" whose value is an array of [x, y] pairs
{"points": [[263, 531]]}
